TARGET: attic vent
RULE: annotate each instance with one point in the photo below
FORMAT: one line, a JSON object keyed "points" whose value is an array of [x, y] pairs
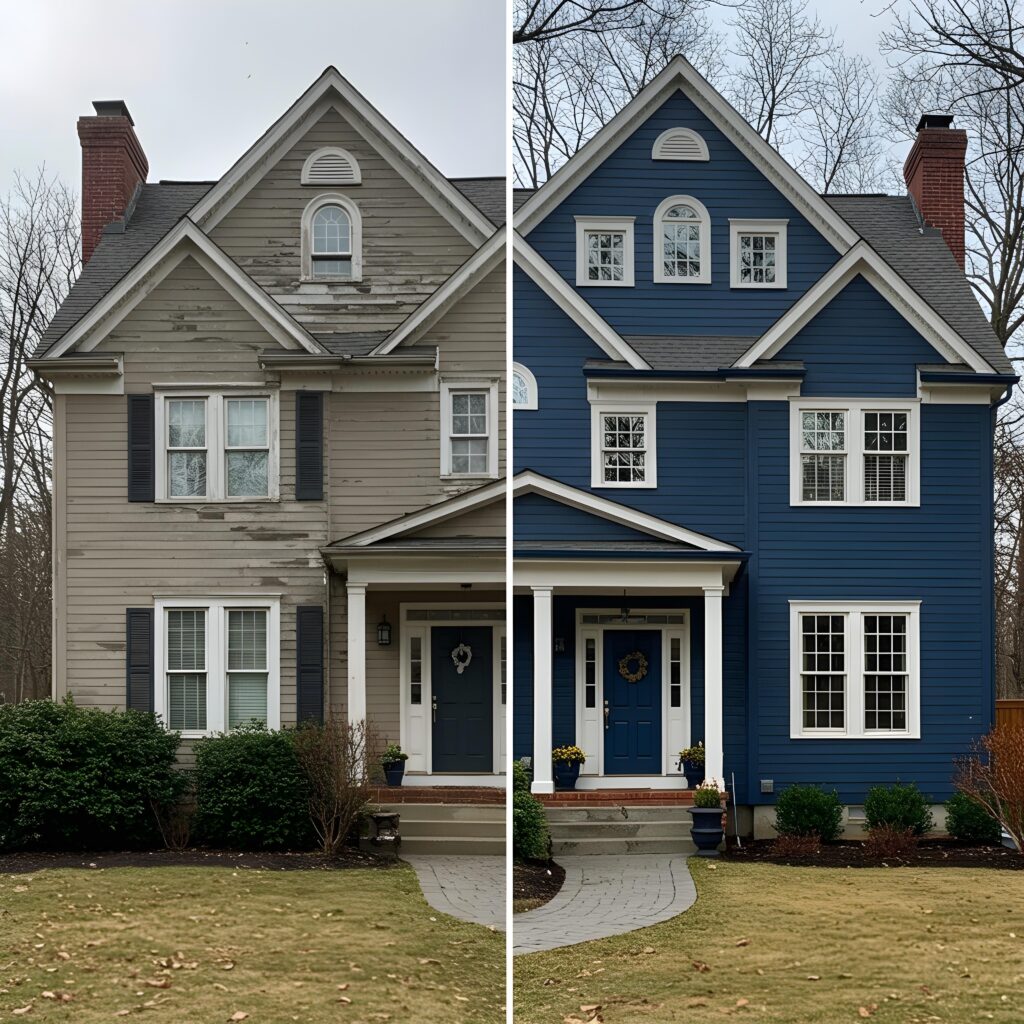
{"points": [[679, 144], [331, 166]]}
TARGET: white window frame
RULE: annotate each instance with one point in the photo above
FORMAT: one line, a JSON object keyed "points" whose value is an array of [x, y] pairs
{"points": [[855, 410], [217, 657], [356, 222], [704, 237], [531, 387], [779, 229], [450, 387], [649, 410], [623, 225], [216, 444], [853, 613]]}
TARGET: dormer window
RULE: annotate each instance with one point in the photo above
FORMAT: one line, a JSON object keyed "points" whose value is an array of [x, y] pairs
{"points": [[331, 240], [682, 242]]}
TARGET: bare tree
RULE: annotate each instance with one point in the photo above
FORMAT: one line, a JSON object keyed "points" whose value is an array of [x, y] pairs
{"points": [[537, 20]]}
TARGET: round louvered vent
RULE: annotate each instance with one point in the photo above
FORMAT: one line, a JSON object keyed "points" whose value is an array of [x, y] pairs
{"points": [[679, 144], [331, 166]]}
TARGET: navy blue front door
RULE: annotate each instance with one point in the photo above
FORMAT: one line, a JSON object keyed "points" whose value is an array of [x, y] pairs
{"points": [[632, 739], [462, 712]]}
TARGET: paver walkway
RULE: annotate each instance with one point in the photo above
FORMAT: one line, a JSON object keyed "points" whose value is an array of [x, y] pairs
{"points": [[604, 896], [469, 888]]}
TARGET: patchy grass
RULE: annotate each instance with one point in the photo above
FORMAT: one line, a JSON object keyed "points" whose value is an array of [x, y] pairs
{"points": [[801, 946], [213, 944]]}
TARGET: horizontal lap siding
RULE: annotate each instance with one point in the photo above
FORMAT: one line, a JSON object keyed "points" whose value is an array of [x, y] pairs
{"points": [[488, 521]]}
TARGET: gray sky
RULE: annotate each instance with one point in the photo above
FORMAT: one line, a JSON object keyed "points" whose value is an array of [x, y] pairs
{"points": [[204, 79]]}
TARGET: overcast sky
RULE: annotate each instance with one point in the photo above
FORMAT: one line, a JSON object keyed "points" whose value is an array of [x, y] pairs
{"points": [[203, 80]]}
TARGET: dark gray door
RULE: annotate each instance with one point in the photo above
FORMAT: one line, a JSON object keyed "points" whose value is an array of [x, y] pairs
{"points": [[462, 701]]}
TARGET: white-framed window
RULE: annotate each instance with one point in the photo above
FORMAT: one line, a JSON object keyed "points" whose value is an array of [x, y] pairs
{"points": [[682, 241], [757, 253], [217, 447], [524, 388], [855, 669], [217, 663], [854, 452], [623, 445], [604, 252], [332, 239], [469, 429]]}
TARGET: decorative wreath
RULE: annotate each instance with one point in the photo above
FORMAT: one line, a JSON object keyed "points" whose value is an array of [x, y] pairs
{"points": [[627, 670], [461, 657]]}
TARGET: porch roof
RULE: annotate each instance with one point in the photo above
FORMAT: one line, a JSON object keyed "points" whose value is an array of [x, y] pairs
{"points": [[614, 549]]}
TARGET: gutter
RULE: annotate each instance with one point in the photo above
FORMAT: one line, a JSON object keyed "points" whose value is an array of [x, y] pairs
{"points": [[78, 366], [684, 555], [725, 374], [328, 362]]}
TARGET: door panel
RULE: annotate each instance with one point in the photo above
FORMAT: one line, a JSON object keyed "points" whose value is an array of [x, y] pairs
{"points": [[632, 741], [463, 725]]}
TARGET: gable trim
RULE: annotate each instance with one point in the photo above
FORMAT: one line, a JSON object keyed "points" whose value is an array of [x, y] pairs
{"points": [[182, 241], [570, 302], [529, 482], [404, 157], [680, 75], [862, 260], [456, 287]]}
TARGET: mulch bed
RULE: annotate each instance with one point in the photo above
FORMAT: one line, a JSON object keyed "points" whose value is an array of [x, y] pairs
{"points": [[930, 853], [24, 862], [534, 881]]}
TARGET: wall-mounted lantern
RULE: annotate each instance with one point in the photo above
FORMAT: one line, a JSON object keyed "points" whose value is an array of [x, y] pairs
{"points": [[384, 632]]}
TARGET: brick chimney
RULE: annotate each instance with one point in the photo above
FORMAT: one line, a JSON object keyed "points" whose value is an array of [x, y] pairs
{"points": [[113, 166], [934, 172]]}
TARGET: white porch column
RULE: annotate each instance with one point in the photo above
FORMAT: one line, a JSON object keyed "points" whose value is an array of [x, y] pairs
{"points": [[543, 779], [356, 653], [713, 744]]}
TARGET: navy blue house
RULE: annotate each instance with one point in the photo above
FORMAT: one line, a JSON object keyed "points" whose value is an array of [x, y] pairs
{"points": [[753, 463]]}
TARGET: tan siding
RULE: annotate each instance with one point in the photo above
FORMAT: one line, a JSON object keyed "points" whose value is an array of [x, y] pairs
{"points": [[488, 521]]}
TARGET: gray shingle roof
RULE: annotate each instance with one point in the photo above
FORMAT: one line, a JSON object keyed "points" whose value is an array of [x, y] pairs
{"points": [[691, 351], [355, 343], [486, 194]]}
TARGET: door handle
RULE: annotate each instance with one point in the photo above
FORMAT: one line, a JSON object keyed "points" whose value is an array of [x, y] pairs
{"points": [[433, 709], [607, 712]]}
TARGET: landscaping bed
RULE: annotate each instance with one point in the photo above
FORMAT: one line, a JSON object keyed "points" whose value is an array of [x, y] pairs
{"points": [[534, 884], [929, 853]]}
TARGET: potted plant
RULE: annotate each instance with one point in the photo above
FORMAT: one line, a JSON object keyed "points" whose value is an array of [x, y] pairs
{"points": [[692, 761], [393, 762], [706, 830], [567, 761]]}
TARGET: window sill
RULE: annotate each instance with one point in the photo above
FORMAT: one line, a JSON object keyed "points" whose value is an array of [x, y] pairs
{"points": [[600, 485], [759, 287], [469, 478], [682, 280], [603, 284], [216, 501], [855, 504], [330, 280], [825, 734]]}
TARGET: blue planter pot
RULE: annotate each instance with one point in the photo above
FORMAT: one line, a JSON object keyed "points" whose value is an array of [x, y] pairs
{"points": [[694, 774], [393, 772], [566, 775], [706, 830]]}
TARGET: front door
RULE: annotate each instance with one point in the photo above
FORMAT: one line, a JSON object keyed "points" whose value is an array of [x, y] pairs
{"points": [[632, 693], [462, 684]]}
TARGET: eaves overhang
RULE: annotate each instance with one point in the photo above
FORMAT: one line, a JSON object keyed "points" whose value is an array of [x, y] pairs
{"points": [[306, 362], [78, 366], [725, 373], [625, 554]]}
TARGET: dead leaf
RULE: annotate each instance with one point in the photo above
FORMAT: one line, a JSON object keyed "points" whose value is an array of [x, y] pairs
{"points": [[239, 1015], [863, 1011], [229, 966], [428, 960], [343, 987], [591, 1008], [699, 965], [122, 1013], [743, 942], [742, 1002], [344, 999], [814, 977], [22, 1009], [159, 982], [648, 950], [696, 1001]]}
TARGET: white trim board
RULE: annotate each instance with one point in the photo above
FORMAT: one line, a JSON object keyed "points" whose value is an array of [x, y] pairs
{"points": [[333, 90]]}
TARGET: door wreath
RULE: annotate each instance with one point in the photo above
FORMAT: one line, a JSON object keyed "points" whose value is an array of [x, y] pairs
{"points": [[633, 667], [461, 657]]}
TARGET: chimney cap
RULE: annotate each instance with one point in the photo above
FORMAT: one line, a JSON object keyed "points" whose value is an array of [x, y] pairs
{"points": [[935, 121], [112, 108]]}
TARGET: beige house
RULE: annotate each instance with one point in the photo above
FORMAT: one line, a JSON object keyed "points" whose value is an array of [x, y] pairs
{"points": [[279, 439]]}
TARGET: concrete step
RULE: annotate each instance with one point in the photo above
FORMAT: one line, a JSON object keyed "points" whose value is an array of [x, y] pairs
{"points": [[619, 830], [446, 812], [567, 831], [453, 845], [450, 828], [620, 847], [672, 812], [468, 829]]}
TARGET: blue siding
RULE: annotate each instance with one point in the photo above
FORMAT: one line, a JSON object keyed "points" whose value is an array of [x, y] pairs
{"points": [[540, 518]]}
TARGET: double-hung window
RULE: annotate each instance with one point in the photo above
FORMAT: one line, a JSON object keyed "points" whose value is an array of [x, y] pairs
{"points": [[854, 452], [682, 241], [217, 663], [854, 669], [757, 253], [604, 251], [623, 446], [216, 447], [469, 429]]}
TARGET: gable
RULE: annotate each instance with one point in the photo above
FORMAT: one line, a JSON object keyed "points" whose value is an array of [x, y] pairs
{"points": [[539, 518], [488, 521], [470, 337]]}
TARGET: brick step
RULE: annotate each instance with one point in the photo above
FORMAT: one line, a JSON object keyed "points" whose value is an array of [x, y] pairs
{"points": [[437, 795], [454, 845], [617, 797], [446, 812]]}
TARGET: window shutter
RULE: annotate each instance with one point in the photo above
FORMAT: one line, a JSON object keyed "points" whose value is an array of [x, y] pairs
{"points": [[309, 446], [139, 659], [309, 663], [141, 449]]}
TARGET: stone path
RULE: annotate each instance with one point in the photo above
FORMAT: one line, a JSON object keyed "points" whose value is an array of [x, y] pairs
{"points": [[604, 896], [469, 888]]}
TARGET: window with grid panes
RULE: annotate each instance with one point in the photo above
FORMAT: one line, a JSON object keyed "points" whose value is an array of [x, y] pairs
{"points": [[756, 254], [623, 448], [469, 436], [886, 454], [823, 671], [186, 668], [886, 673], [247, 666], [823, 455], [680, 242], [606, 255]]}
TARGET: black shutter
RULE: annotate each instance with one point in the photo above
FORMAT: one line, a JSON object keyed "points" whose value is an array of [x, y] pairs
{"points": [[309, 663], [309, 445], [141, 449], [139, 659]]}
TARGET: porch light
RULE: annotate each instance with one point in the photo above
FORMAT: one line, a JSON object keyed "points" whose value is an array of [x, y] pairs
{"points": [[384, 633]]}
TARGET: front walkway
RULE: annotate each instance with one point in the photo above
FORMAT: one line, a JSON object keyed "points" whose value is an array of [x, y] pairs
{"points": [[606, 895], [469, 888]]}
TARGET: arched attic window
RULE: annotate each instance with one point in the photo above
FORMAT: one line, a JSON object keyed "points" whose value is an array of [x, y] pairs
{"points": [[682, 241], [332, 239], [679, 144], [524, 388], [331, 165]]}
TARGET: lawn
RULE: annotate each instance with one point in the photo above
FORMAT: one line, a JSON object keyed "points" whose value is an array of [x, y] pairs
{"points": [[206, 945], [802, 946]]}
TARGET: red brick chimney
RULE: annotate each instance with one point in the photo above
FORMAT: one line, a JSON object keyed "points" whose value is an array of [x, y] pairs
{"points": [[934, 172], [113, 166]]}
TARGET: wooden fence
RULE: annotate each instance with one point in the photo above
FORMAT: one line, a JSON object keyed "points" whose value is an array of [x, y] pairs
{"points": [[1010, 712]]}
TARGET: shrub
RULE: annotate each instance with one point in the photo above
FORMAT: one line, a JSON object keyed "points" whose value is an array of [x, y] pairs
{"points": [[530, 837], [393, 753], [888, 842], [969, 822], [82, 778], [707, 795], [796, 847], [809, 811], [520, 777], [251, 793], [898, 806], [994, 776]]}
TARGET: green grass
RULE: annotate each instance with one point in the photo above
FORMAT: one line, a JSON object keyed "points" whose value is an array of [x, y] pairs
{"points": [[202, 945], [802, 946]]}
